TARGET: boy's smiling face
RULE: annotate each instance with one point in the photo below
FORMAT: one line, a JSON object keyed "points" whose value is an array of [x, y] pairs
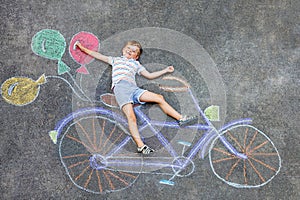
{"points": [[131, 52]]}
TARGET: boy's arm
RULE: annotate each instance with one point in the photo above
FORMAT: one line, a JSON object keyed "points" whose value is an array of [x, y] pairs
{"points": [[94, 54], [153, 75]]}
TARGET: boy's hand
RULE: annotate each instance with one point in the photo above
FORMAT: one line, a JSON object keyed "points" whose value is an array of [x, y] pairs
{"points": [[77, 44], [170, 69]]}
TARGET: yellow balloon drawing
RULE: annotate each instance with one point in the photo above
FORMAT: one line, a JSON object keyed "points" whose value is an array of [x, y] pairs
{"points": [[21, 90]]}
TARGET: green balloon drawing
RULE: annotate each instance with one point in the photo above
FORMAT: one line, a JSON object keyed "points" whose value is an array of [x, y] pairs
{"points": [[50, 44]]}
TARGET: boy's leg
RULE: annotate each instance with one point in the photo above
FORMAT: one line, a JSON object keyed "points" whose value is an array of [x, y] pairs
{"points": [[132, 124], [159, 99]]}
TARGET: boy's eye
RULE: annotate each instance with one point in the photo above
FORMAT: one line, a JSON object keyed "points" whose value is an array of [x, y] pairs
{"points": [[133, 50]]}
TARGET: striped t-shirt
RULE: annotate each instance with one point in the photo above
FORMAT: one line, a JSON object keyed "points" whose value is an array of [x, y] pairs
{"points": [[124, 69]]}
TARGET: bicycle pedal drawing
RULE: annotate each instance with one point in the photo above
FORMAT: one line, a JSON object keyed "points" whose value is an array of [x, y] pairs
{"points": [[95, 146]]}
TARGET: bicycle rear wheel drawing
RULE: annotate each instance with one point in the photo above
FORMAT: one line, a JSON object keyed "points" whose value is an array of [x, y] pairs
{"points": [[261, 165], [89, 149]]}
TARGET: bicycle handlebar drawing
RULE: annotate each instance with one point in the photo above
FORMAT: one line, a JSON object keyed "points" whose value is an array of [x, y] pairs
{"points": [[95, 149]]}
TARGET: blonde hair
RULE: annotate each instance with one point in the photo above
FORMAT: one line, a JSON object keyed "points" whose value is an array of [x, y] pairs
{"points": [[135, 43]]}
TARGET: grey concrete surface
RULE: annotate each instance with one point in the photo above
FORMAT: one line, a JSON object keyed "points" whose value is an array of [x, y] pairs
{"points": [[254, 44]]}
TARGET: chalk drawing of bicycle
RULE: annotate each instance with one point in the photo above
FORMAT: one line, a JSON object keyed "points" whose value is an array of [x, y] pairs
{"points": [[96, 148], [97, 161]]}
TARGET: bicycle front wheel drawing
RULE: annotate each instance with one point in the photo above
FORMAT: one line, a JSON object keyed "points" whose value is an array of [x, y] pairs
{"points": [[92, 150], [260, 164]]}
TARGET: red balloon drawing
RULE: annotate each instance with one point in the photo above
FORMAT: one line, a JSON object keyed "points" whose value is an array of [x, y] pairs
{"points": [[89, 41]]}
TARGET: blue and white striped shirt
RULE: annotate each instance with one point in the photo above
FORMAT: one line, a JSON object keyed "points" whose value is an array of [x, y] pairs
{"points": [[124, 69]]}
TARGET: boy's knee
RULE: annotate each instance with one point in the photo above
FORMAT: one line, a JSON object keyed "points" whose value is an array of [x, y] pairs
{"points": [[129, 113], [131, 117], [160, 97]]}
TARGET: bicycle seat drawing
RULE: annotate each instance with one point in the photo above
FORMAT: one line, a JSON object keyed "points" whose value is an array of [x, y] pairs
{"points": [[96, 148]]}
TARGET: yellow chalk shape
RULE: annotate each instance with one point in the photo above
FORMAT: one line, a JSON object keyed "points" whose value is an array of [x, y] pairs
{"points": [[21, 90], [53, 135], [41, 80], [212, 113]]}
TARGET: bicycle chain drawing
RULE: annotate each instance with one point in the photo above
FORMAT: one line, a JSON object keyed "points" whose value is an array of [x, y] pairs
{"points": [[95, 146]]}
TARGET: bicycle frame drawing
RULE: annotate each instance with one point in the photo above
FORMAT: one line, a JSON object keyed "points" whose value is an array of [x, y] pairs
{"points": [[100, 164]]}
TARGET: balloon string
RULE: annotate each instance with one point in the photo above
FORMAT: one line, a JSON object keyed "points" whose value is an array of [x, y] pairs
{"points": [[73, 89], [79, 87]]}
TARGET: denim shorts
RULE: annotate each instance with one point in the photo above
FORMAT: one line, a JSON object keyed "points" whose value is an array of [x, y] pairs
{"points": [[126, 92]]}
